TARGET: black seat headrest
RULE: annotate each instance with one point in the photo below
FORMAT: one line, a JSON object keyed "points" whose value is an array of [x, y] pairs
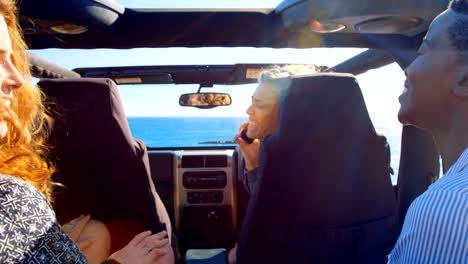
{"points": [[325, 193], [88, 109]]}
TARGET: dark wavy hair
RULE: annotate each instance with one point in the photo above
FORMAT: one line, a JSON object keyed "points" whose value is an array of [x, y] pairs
{"points": [[458, 31]]}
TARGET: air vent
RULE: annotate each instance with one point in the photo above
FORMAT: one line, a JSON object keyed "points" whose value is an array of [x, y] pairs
{"points": [[216, 161], [193, 161], [209, 161]]}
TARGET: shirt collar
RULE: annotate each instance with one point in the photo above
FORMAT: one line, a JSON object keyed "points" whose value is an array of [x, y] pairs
{"points": [[460, 164]]}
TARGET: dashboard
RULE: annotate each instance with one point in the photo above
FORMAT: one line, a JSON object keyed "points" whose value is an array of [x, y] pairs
{"points": [[199, 190]]}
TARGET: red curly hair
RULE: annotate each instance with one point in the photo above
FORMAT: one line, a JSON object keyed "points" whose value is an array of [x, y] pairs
{"points": [[23, 152]]}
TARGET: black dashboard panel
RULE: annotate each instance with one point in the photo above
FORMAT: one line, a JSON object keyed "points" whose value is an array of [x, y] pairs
{"points": [[161, 164]]}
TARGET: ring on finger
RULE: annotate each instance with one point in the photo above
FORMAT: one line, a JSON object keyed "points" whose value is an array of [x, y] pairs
{"points": [[146, 247]]}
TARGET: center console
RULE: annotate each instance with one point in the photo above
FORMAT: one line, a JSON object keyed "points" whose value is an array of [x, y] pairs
{"points": [[204, 197]]}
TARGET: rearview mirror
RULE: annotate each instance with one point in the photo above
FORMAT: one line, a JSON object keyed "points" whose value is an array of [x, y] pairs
{"points": [[205, 100]]}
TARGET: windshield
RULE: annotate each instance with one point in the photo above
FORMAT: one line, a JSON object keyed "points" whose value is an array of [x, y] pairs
{"points": [[156, 117]]}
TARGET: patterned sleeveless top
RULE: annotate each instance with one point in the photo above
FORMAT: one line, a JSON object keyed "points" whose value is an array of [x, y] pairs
{"points": [[29, 230]]}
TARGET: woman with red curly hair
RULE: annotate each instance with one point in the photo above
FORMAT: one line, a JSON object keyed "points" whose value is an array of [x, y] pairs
{"points": [[29, 231]]}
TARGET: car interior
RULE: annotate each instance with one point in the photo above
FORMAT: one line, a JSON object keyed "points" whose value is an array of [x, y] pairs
{"points": [[334, 207]]}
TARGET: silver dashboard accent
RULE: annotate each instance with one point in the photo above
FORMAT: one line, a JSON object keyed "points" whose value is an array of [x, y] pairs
{"points": [[181, 192]]}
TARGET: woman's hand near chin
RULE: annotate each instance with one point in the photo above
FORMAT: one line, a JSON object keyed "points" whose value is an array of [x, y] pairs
{"points": [[250, 152]]}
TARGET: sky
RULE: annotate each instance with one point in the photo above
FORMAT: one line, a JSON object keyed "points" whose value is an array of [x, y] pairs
{"points": [[162, 100]]}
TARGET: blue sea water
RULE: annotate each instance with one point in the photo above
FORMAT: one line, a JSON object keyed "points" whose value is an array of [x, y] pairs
{"points": [[160, 132], [163, 132]]}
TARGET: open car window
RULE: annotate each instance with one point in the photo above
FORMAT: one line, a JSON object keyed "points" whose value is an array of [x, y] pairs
{"points": [[381, 88], [156, 116]]}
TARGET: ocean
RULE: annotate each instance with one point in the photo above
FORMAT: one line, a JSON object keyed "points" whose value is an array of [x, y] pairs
{"points": [[163, 132]]}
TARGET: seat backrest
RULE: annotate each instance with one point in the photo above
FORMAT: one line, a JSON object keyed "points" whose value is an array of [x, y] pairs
{"points": [[419, 167], [105, 172], [324, 194]]}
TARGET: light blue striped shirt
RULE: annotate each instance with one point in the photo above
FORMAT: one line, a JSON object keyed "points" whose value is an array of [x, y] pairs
{"points": [[436, 224]]}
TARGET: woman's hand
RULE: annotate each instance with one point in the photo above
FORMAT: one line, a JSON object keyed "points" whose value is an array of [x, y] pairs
{"points": [[91, 236], [144, 248], [250, 152], [232, 255], [75, 228]]}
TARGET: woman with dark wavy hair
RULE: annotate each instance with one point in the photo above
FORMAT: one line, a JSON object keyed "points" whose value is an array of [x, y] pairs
{"points": [[29, 231]]}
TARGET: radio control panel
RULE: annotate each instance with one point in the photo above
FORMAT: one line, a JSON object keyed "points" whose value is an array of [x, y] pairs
{"points": [[205, 197], [203, 179]]}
